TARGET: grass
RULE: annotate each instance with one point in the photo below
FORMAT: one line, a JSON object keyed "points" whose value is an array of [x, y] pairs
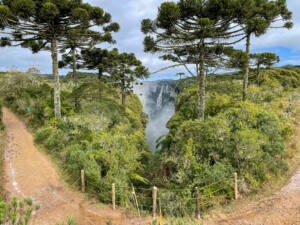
{"points": [[176, 221]]}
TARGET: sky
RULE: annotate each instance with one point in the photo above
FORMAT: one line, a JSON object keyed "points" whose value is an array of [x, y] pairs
{"points": [[129, 13]]}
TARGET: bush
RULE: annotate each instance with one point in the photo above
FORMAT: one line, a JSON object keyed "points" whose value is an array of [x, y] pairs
{"points": [[235, 136], [56, 141], [1, 123], [42, 134], [286, 77], [16, 211]]}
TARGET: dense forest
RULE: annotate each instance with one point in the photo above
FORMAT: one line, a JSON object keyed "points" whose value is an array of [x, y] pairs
{"points": [[238, 122]]}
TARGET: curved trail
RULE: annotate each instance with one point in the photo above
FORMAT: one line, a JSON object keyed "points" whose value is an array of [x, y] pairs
{"points": [[29, 172]]}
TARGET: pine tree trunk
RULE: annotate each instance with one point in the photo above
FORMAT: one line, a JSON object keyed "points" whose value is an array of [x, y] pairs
{"points": [[123, 98], [246, 69], [100, 74], [74, 67], [257, 73], [123, 90], [57, 103], [201, 78], [76, 104]]}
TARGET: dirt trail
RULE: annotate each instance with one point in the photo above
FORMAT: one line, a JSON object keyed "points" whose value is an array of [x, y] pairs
{"points": [[29, 172]]}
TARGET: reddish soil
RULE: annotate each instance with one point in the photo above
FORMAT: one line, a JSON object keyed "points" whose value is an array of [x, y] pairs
{"points": [[29, 172]]}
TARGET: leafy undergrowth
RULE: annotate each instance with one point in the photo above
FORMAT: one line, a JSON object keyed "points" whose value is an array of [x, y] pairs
{"points": [[244, 137], [96, 132]]}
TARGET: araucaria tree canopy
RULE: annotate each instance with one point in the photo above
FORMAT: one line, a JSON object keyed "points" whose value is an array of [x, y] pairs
{"points": [[255, 18], [82, 39], [264, 59], [125, 69], [192, 33], [44, 24]]}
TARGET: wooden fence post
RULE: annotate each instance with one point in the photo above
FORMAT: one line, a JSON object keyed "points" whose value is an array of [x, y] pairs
{"points": [[197, 203], [113, 196], [82, 182], [236, 191], [135, 200], [154, 197]]}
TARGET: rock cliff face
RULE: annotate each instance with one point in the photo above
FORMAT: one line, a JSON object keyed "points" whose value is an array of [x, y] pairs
{"points": [[158, 98]]}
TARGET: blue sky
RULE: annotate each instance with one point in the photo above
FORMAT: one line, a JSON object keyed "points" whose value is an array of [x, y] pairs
{"points": [[129, 13]]}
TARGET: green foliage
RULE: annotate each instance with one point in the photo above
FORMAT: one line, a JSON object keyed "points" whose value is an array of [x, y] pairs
{"points": [[101, 59], [23, 89], [237, 60], [17, 211], [1, 123], [67, 21], [255, 18], [54, 24], [192, 33], [265, 59], [126, 70], [285, 77], [99, 134], [244, 137], [70, 221], [177, 221]]}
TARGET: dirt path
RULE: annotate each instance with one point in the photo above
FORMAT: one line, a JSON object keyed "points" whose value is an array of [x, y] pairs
{"points": [[281, 208], [29, 172]]}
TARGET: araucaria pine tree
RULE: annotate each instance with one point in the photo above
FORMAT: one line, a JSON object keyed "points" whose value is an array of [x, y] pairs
{"points": [[192, 33], [125, 71], [82, 39], [255, 18], [41, 25], [98, 59], [264, 59]]}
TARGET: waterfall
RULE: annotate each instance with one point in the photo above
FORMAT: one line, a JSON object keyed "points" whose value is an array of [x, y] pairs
{"points": [[158, 98]]}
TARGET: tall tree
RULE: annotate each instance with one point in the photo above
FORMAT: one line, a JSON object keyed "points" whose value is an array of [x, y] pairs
{"points": [[264, 59], [99, 59], [126, 71], [255, 18], [191, 33], [42, 25], [81, 39], [236, 59], [180, 74]]}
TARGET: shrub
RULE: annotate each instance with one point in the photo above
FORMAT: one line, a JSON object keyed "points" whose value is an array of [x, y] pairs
{"points": [[242, 137], [1, 123], [56, 141], [16, 211], [70, 221], [42, 134]]}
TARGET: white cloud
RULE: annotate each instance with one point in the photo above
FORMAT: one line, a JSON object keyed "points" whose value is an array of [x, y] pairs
{"points": [[129, 13]]}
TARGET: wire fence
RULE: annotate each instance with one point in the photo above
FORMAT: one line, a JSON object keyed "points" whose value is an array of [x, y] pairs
{"points": [[169, 201]]}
